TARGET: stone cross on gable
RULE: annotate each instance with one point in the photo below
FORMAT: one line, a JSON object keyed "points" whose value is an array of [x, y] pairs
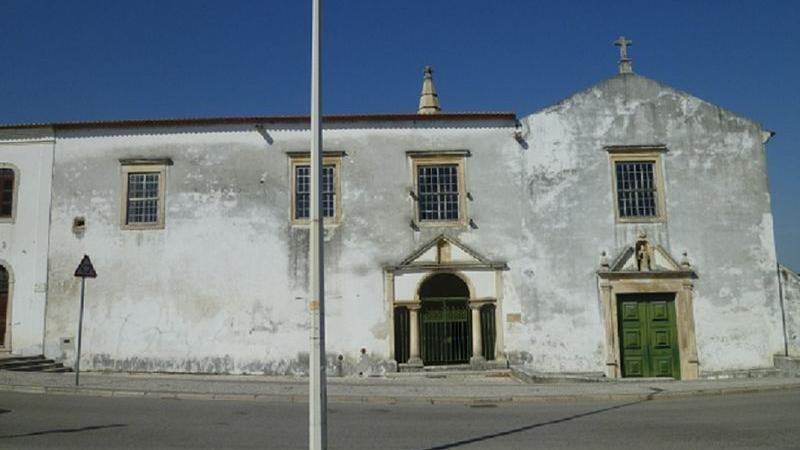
{"points": [[625, 65]]}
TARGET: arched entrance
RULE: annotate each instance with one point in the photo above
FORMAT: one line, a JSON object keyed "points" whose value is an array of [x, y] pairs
{"points": [[446, 302], [4, 308], [445, 325]]}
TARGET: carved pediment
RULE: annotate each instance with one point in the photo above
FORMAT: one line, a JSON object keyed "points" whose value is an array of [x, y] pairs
{"points": [[645, 257], [660, 260], [447, 252]]}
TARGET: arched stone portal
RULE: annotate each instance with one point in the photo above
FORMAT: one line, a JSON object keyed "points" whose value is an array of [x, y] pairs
{"points": [[446, 302]]}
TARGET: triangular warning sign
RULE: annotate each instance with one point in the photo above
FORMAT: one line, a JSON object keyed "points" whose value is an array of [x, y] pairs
{"points": [[85, 268]]}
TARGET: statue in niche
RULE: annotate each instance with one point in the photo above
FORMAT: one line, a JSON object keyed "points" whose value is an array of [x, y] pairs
{"points": [[644, 254]]}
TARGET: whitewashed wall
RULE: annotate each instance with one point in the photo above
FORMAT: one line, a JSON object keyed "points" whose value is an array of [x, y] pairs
{"points": [[791, 301], [24, 242], [221, 288]]}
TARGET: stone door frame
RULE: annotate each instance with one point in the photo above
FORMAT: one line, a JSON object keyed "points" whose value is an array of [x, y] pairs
{"points": [[6, 346], [414, 305], [680, 283], [446, 254]]}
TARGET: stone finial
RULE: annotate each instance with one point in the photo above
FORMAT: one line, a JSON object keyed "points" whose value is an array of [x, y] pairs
{"points": [[429, 99], [685, 260], [604, 263], [625, 63]]}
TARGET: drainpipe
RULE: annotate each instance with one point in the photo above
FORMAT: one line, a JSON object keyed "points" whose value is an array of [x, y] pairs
{"points": [[783, 312]]}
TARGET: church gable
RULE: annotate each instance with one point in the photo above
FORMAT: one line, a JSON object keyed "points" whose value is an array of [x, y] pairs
{"points": [[637, 90]]}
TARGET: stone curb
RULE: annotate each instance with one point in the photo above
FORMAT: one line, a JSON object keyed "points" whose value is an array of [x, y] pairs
{"points": [[384, 399]]}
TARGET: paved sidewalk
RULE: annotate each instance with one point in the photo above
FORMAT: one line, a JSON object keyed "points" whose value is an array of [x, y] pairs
{"points": [[416, 389]]}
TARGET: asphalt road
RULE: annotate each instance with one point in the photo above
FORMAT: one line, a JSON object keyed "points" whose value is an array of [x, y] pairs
{"points": [[765, 420]]}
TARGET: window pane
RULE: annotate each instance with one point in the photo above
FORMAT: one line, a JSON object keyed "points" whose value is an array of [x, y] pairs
{"points": [[438, 192], [143, 198], [302, 192], [636, 189], [6, 192]]}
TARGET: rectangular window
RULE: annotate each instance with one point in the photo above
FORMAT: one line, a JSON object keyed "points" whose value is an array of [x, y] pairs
{"points": [[638, 184], [302, 207], [143, 191], [143, 198], [300, 166], [438, 192], [636, 189], [7, 185]]}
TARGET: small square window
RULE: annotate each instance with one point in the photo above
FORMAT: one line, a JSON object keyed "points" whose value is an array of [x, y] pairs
{"points": [[143, 196]]}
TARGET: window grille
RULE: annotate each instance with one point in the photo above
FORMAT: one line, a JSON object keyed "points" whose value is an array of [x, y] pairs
{"points": [[438, 192], [143, 198], [636, 189], [302, 193], [6, 192]]}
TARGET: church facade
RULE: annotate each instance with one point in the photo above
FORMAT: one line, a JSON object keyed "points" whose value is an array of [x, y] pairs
{"points": [[625, 231]]}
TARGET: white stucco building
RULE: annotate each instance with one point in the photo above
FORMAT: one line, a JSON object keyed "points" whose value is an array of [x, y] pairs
{"points": [[624, 231]]}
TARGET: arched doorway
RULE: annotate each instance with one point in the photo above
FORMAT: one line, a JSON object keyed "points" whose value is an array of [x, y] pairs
{"points": [[445, 322], [4, 308]]}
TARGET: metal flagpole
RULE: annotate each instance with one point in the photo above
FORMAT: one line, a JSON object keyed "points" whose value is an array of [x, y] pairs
{"points": [[318, 397]]}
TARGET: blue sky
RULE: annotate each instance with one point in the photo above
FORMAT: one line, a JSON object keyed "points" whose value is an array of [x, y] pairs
{"points": [[90, 60]]}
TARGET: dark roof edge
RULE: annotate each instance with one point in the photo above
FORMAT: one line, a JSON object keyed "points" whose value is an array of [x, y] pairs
{"points": [[352, 118]]}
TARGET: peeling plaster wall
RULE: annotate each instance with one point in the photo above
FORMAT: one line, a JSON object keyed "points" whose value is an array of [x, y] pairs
{"points": [[718, 210], [222, 287], [23, 241], [790, 283]]}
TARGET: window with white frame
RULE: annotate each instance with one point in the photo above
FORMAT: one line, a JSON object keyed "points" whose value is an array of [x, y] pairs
{"points": [[143, 194], [301, 188]]}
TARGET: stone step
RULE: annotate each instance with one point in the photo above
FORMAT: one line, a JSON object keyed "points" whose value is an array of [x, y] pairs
{"points": [[739, 374], [20, 361], [788, 365], [23, 363], [31, 364], [13, 359], [451, 373]]}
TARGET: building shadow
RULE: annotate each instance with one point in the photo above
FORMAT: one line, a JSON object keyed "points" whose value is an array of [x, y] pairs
{"points": [[533, 426], [63, 430]]}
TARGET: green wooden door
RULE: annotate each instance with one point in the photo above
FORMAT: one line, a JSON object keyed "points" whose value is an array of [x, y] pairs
{"points": [[648, 336], [446, 331]]}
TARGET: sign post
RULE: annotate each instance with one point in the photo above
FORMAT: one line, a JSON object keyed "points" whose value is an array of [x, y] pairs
{"points": [[85, 270]]}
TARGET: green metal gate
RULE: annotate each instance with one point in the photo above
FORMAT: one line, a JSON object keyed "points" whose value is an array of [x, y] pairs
{"points": [[488, 331], [446, 331], [402, 344]]}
